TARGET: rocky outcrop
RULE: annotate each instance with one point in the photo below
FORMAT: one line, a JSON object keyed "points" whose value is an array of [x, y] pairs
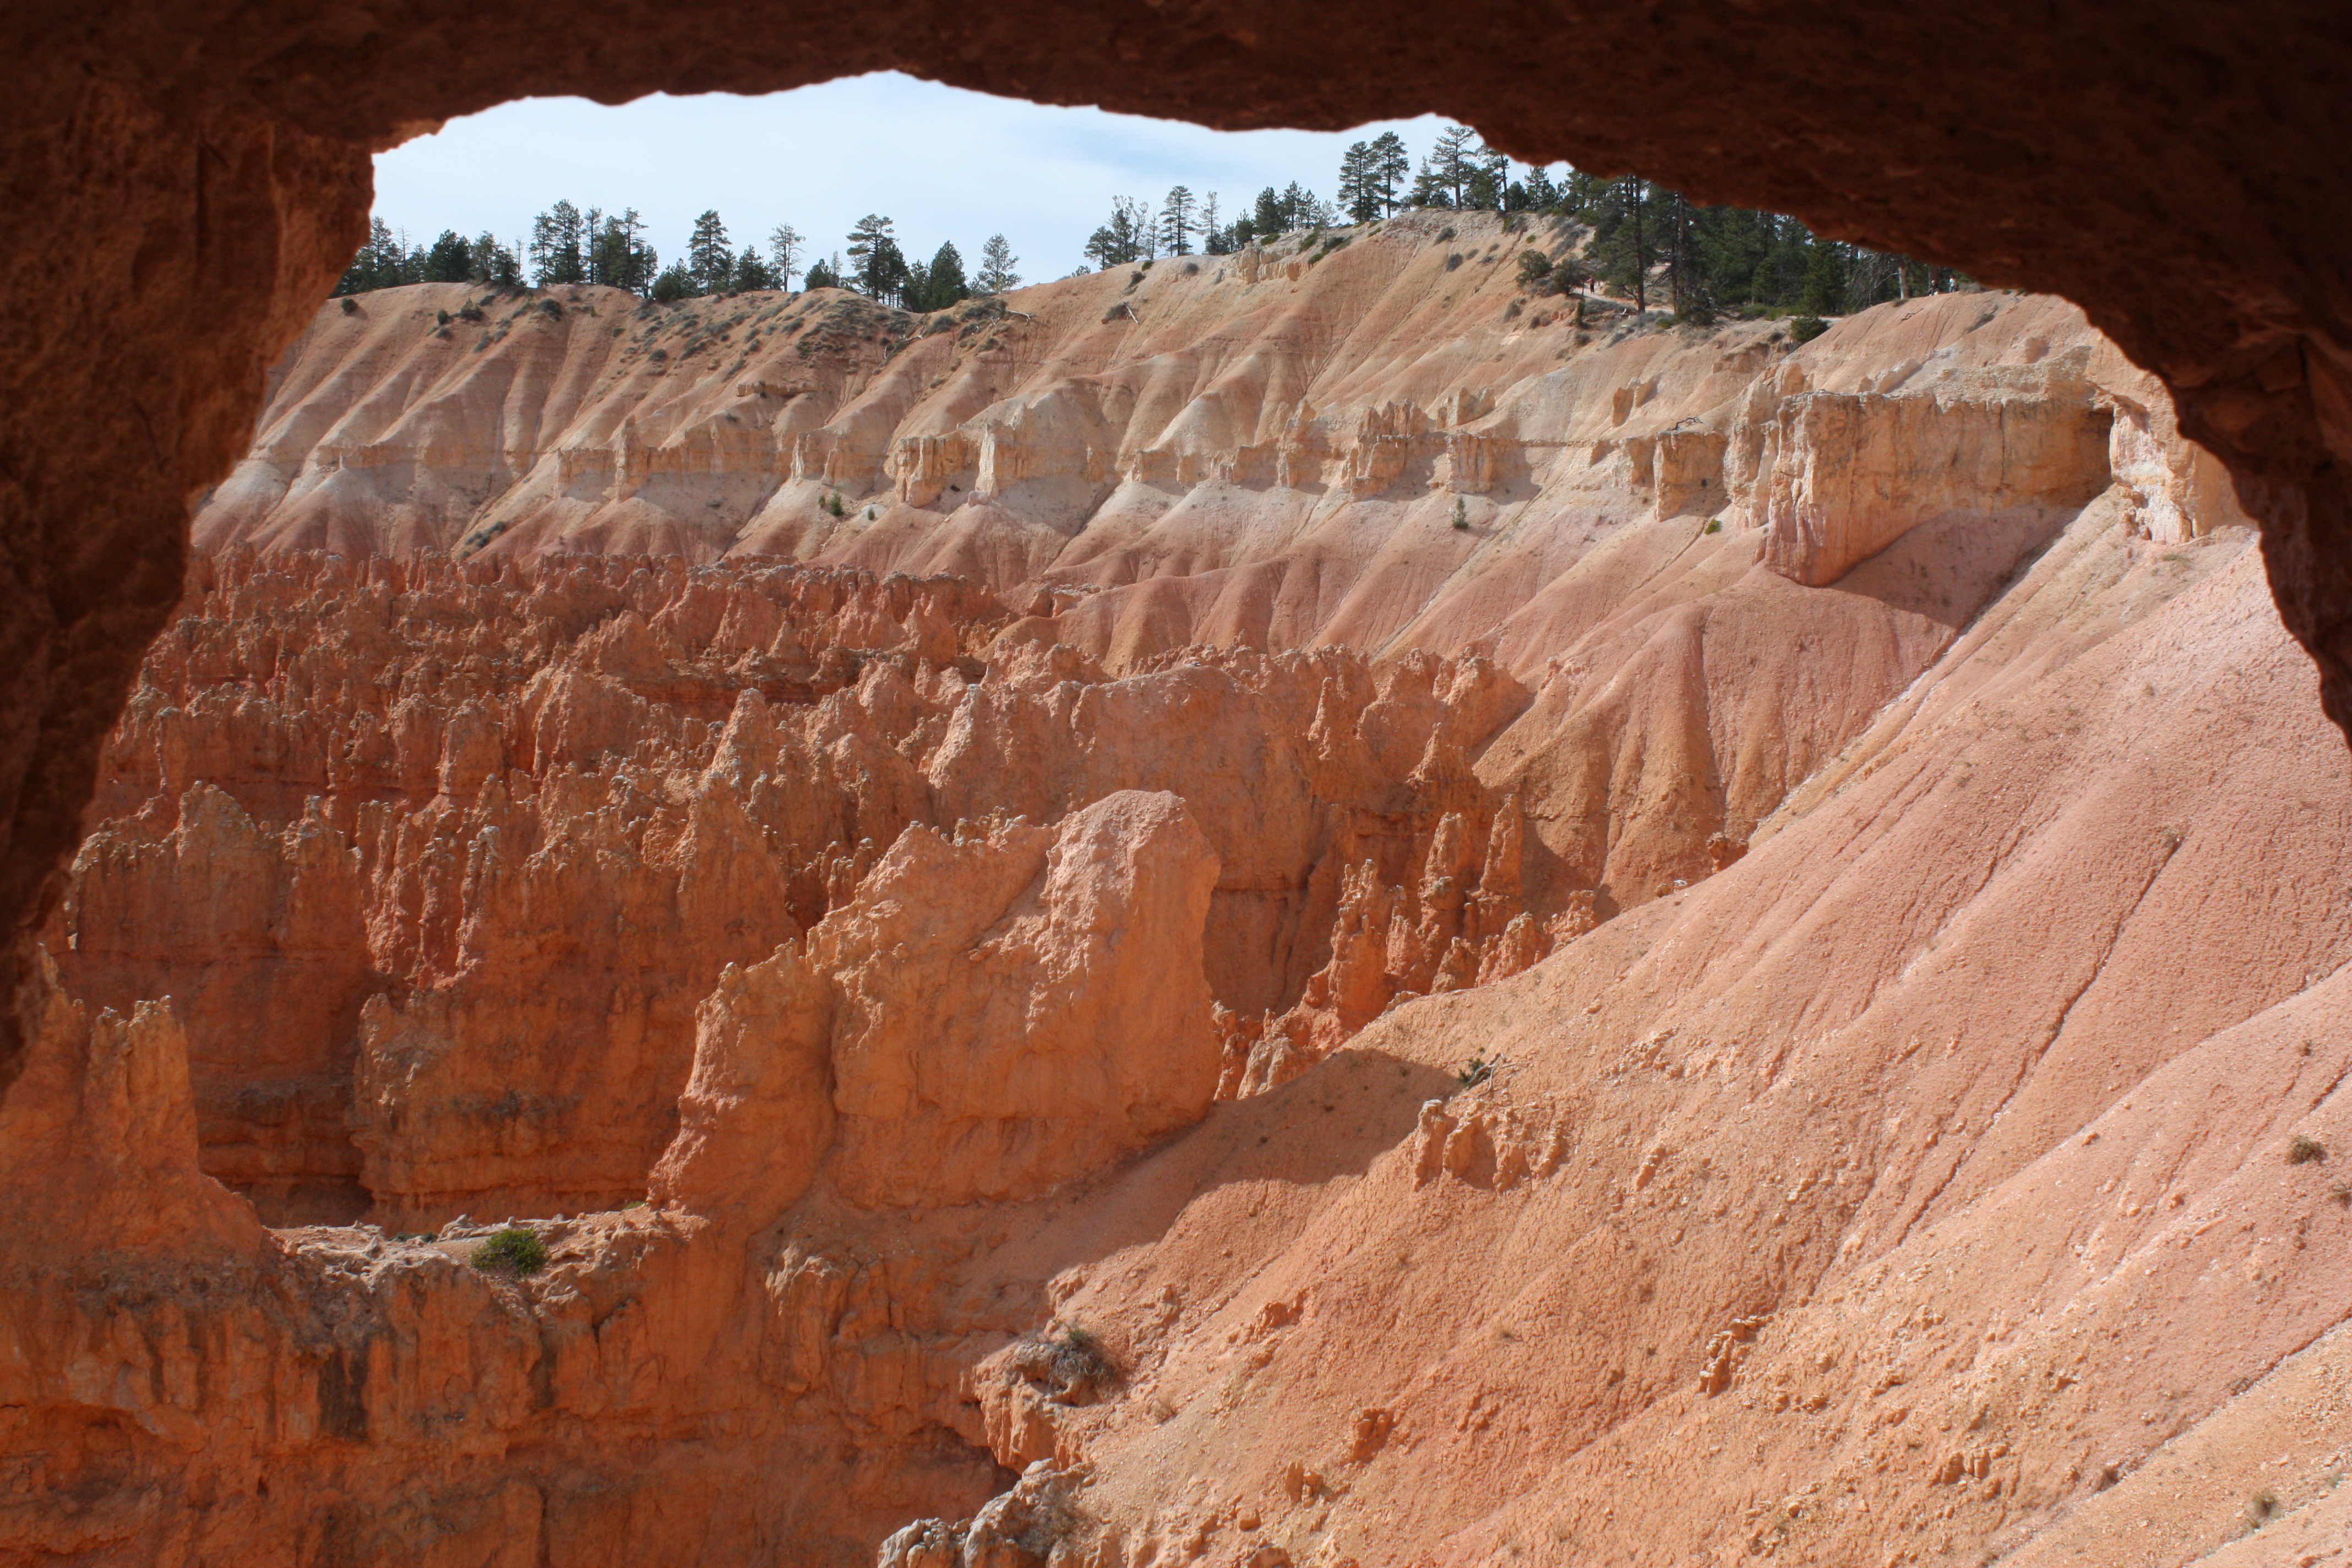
{"points": [[1032, 448], [989, 1018], [1832, 477], [477, 883]]}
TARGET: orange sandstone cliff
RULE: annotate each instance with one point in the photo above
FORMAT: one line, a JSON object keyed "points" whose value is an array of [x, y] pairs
{"points": [[1140, 996]]}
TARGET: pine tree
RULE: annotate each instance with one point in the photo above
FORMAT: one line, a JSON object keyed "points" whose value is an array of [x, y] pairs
{"points": [[708, 261], [996, 263], [1176, 222], [785, 245], [616, 257], [557, 237], [1446, 174], [824, 274], [451, 259], [943, 281], [1686, 264], [1389, 167], [752, 272], [1269, 219], [1621, 249], [1214, 241], [494, 262], [868, 231], [1825, 270], [1640, 249], [1126, 237], [377, 264], [1586, 193], [1487, 187], [882, 272], [1359, 191]]}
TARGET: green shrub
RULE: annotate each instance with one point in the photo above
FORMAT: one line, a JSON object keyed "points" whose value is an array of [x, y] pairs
{"points": [[1805, 328], [1461, 513], [1445, 234], [351, 306], [513, 1249], [1479, 1071], [2302, 1149], [1713, 525]]}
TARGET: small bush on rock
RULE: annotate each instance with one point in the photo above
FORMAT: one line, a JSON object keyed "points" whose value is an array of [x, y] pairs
{"points": [[1072, 1362], [2302, 1149], [513, 1249], [1805, 328]]}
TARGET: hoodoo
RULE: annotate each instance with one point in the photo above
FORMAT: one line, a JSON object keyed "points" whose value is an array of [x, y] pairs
{"points": [[1307, 907]]}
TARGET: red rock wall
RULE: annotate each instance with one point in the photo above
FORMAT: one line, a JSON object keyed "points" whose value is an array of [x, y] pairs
{"points": [[436, 862]]}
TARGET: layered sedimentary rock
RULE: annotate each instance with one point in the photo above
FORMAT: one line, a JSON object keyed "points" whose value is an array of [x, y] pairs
{"points": [[1266, 448], [468, 846], [1268, 451], [1686, 1053]]}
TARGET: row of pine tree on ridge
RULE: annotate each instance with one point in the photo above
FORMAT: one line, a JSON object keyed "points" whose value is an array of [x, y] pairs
{"points": [[1708, 259]]}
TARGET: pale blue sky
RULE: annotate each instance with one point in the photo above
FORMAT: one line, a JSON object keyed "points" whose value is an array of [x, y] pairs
{"points": [[945, 164]]}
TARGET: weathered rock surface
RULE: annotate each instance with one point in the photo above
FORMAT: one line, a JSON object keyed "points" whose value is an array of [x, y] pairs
{"points": [[1266, 450], [1126, 1112], [468, 846], [988, 1018]]}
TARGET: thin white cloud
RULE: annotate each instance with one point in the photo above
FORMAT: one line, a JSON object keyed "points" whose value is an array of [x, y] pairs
{"points": [[945, 164]]}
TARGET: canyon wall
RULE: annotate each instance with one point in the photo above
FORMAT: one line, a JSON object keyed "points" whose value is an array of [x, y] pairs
{"points": [[438, 861], [1775, 1001], [1264, 448]]}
